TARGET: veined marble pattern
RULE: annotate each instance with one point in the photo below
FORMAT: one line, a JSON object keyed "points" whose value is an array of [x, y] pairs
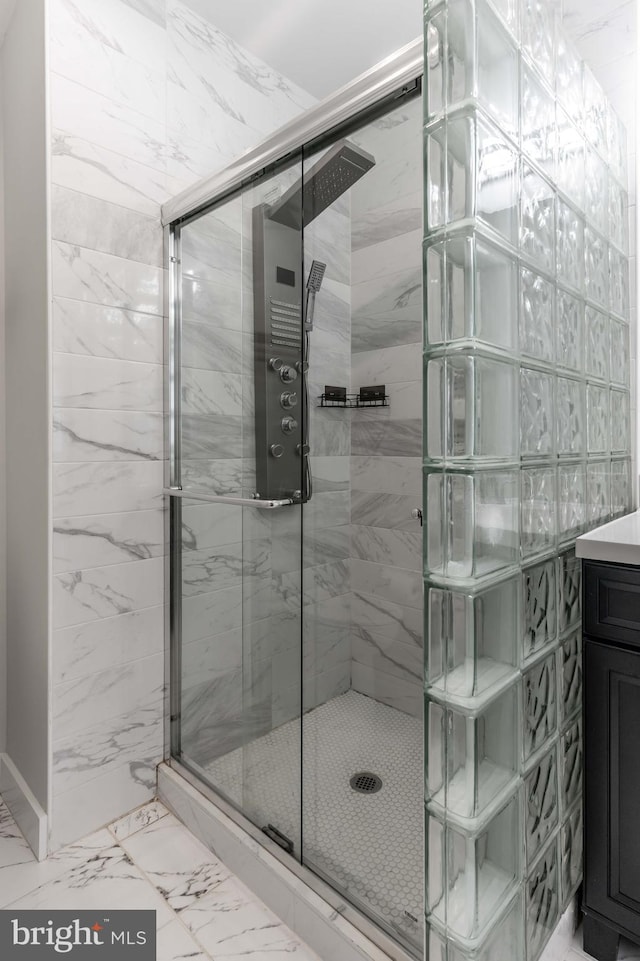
{"points": [[146, 97], [83, 274], [104, 173], [110, 332], [104, 384], [86, 649], [78, 218], [81, 489]]}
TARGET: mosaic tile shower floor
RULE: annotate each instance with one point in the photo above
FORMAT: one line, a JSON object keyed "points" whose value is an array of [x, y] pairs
{"points": [[369, 844]]}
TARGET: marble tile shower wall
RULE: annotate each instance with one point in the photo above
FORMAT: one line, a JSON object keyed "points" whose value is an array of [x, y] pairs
{"points": [[527, 445], [145, 99], [386, 444]]}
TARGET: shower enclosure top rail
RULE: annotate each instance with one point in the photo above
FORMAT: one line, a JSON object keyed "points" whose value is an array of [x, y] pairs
{"points": [[404, 67], [266, 504]]}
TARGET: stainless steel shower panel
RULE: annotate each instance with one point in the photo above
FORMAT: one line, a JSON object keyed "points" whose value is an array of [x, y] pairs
{"points": [[278, 349]]}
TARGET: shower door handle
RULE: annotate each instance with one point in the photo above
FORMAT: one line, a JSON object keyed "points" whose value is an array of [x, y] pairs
{"points": [[265, 505]]}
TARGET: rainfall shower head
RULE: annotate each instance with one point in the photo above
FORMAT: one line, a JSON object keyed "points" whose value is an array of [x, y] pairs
{"points": [[338, 170], [316, 276]]}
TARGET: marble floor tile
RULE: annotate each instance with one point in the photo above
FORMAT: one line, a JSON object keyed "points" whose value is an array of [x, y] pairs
{"points": [[136, 820], [175, 943], [183, 870], [230, 923]]}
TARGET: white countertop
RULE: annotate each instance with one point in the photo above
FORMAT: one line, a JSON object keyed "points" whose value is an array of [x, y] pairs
{"points": [[617, 542]]}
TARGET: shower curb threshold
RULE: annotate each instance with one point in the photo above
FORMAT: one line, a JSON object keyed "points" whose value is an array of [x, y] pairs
{"points": [[323, 923]]}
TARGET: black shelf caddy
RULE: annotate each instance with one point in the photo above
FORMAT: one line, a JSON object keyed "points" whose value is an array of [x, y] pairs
{"points": [[366, 397]]}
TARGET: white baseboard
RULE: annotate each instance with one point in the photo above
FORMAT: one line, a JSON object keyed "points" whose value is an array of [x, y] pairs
{"points": [[24, 807]]}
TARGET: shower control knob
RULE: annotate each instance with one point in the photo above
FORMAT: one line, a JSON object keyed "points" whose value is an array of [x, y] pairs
{"points": [[276, 450], [288, 374], [276, 363], [302, 366], [288, 399], [288, 425]]}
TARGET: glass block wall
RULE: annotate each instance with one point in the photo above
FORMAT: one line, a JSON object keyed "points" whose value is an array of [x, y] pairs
{"points": [[527, 445]]}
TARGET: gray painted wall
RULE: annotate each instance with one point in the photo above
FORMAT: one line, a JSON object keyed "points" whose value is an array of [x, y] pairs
{"points": [[27, 387]]}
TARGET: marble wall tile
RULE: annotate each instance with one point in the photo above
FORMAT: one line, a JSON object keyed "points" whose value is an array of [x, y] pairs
{"points": [[103, 384], [115, 26], [86, 221], [83, 274], [103, 435], [210, 525], [211, 392], [379, 223], [85, 701], [387, 257], [387, 656], [80, 543], [378, 330], [400, 475], [211, 657], [82, 596], [99, 801], [211, 436], [208, 302], [218, 476], [390, 438], [330, 473], [126, 65], [331, 432], [106, 174], [404, 695], [206, 63], [390, 365], [153, 9], [135, 737], [80, 489], [211, 348], [382, 617], [88, 116], [403, 587], [211, 612], [86, 649], [383, 510], [216, 568], [382, 545], [101, 331], [396, 297]]}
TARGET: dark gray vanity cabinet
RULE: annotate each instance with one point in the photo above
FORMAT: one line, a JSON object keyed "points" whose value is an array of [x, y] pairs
{"points": [[611, 654]]}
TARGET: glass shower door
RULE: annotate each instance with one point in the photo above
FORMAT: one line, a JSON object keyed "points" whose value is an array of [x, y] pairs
{"points": [[236, 511]]}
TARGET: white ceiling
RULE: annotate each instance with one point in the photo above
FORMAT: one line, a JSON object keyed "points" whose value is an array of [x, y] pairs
{"points": [[320, 46]]}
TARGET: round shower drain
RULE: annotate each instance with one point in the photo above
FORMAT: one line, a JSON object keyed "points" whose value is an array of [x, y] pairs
{"points": [[365, 782]]}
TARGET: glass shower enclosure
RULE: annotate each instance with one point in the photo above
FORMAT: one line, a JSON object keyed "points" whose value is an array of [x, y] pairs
{"points": [[294, 495], [304, 455]]}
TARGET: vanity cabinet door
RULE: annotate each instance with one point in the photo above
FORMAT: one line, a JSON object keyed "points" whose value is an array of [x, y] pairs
{"points": [[612, 783]]}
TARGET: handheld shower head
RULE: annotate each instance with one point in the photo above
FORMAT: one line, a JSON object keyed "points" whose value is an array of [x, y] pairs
{"points": [[314, 283], [316, 276]]}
